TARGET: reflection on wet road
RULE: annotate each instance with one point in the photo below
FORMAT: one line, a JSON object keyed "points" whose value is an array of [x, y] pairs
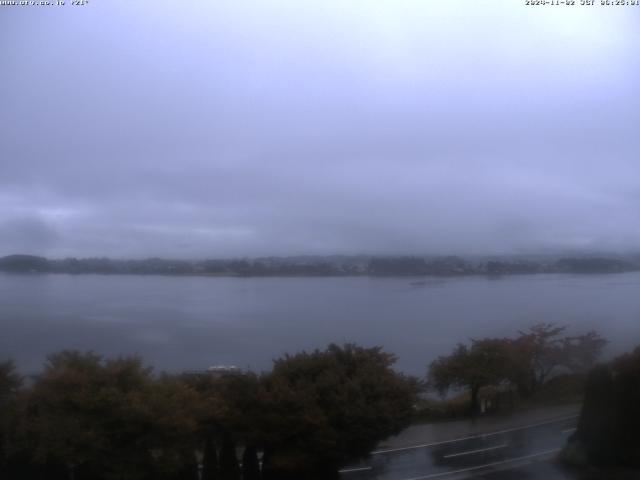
{"points": [[518, 452]]}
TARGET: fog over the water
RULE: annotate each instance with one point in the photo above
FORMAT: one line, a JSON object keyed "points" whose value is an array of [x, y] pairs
{"points": [[196, 129]]}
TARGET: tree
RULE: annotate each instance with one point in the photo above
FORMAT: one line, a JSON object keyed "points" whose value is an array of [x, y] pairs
{"points": [[24, 263], [60, 419], [527, 361], [540, 351], [607, 432], [398, 266], [10, 382], [483, 363], [229, 414], [537, 352], [172, 435], [582, 351], [109, 419], [325, 408]]}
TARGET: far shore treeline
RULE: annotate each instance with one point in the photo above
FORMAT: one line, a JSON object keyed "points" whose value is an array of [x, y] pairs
{"points": [[330, 266], [89, 417]]}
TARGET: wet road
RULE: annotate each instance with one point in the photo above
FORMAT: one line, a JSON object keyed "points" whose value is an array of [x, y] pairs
{"points": [[523, 451]]}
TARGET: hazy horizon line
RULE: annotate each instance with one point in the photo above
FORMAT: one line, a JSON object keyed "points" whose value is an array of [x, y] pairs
{"points": [[539, 253]]}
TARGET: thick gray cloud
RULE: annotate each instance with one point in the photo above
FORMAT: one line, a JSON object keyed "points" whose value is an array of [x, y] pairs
{"points": [[286, 127]]}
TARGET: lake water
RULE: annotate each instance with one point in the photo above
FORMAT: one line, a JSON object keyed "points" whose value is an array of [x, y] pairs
{"points": [[180, 323]]}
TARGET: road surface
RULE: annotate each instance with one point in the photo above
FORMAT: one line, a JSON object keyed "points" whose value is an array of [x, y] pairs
{"points": [[496, 449]]}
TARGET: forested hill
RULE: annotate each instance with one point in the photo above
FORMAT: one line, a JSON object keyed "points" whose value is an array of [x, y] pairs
{"points": [[337, 265]]}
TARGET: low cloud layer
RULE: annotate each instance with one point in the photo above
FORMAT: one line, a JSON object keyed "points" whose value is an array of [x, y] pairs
{"points": [[214, 129]]}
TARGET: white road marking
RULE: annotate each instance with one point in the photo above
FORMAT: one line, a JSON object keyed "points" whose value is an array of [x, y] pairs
{"points": [[480, 450], [499, 432], [569, 430], [486, 465], [352, 470]]}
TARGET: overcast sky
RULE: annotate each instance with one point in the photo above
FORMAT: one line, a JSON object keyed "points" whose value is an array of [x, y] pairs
{"points": [[232, 128]]}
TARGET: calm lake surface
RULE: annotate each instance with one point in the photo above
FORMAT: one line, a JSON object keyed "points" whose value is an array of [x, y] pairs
{"points": [[180, 323]]}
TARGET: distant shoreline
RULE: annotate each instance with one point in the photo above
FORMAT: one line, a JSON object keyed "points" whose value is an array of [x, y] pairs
{"points": [[329, 266]]}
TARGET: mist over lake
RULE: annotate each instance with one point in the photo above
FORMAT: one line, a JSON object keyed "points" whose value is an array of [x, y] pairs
{"points": [[179, 323]]}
